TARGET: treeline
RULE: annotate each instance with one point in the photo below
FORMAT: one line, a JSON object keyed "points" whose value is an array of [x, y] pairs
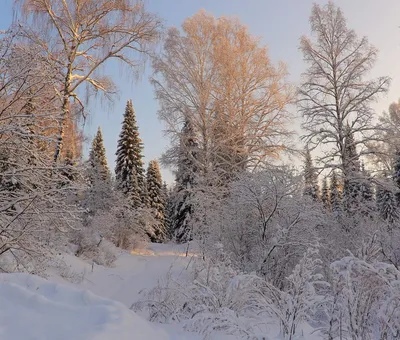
{"points": [[51, 62], [273, 244], [280, 245], [135, 198]]}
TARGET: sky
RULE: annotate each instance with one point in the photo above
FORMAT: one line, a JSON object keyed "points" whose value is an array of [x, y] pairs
{"points": [[279, 24]]}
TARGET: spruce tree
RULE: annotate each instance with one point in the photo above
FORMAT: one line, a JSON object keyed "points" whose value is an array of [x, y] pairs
{"points": [[325, 195], [335, 195], [156, 199], [388, 194], [29, 109], [229, 156], [98, 159], [168, 210], [366, 193], [311, 187], [99, 195], [129, 164], [352, 176], [396, 176], [185, 182], [386, 201], [68, 172], [366, 187]]}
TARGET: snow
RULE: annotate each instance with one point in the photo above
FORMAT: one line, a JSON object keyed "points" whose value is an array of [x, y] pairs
{"points": [[97, 305], [49, 310], [131, 274]]}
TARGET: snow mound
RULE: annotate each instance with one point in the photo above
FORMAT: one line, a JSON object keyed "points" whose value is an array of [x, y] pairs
{"points": [[33, 308]]}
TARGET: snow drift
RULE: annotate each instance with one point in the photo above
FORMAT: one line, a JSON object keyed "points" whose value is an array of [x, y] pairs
{"points": [[33, 308]]}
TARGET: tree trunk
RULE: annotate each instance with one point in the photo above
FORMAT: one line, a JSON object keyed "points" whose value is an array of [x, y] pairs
{"points": [[61, 129]]}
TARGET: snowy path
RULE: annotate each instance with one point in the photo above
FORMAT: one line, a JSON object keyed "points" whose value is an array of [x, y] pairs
{"points": [[96, 307], [133, 273]]}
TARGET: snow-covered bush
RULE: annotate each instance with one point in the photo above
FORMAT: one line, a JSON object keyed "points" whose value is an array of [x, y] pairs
{"points": [[265, 225], [66, 271], [369, 298], [390, 245], [109, 215], [37, 196], [214, 297], [205, 300], [123, 227], [91, 245], [364, 303], [302, 297]]}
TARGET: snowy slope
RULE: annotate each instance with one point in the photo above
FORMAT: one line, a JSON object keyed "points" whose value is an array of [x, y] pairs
{"points": [[35, 309], [60, 310], [131, 274]]}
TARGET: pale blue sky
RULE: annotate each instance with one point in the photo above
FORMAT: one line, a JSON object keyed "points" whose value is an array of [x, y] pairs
{"points": [[279, 23]]}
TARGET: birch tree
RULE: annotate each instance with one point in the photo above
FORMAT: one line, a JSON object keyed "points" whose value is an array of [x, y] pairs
{"points": [[80, 37], [36, 198], [215, 74], [335, 93], [383, 153]]}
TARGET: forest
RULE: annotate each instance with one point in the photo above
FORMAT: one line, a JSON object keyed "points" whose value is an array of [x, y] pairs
{"points": [[315, 246]]}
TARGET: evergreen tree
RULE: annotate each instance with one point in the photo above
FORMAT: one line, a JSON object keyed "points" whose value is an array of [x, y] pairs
{"points": [[29, 109], [352, 175], [69, 172], [229, 157], [168, 210], [396, 176], [388, 194], [386, 202], [366, 187], [335, 195], [311, 187], [99, 195], [97, 157], [185, 182], [129, 164], [156, 199], [366, 192], [325, 195], [144, 196]]}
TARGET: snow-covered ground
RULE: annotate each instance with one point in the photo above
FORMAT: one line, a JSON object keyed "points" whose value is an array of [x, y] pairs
{"points": [[36, 309], [131, 272], [96, 306]]}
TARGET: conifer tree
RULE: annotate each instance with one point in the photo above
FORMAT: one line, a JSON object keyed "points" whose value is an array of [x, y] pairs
{"points": [[396, 175], [366, 187], [386, 202], [335, 195], [185, 182], [68, 172], [352, 175], [99, 195], [311, 187], [144, 196], [366, 192], [129, 164], [168, 210], [156, 199], [325, 195], [97, 157], [388, 195]]}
